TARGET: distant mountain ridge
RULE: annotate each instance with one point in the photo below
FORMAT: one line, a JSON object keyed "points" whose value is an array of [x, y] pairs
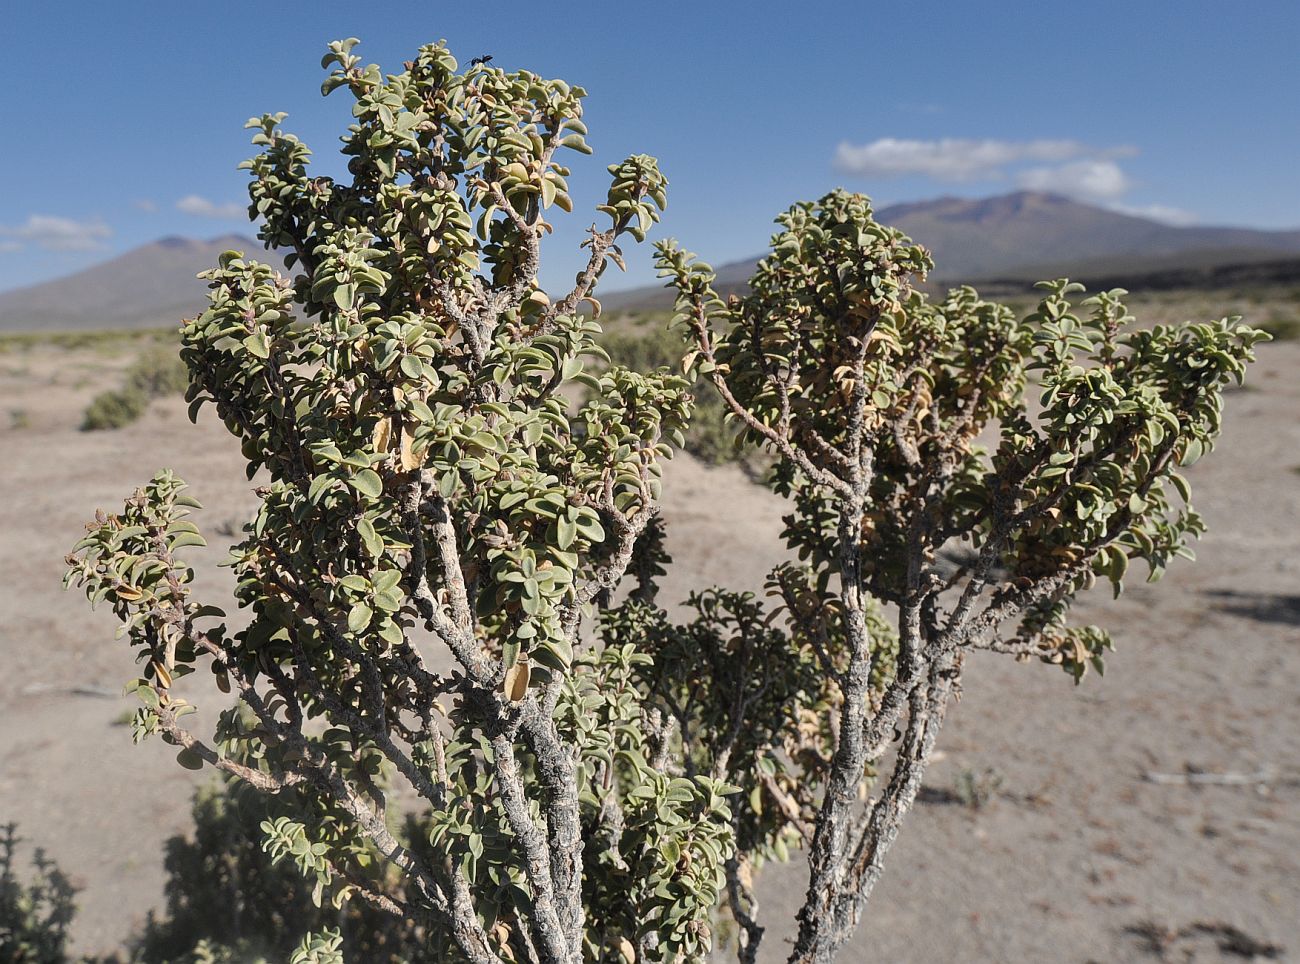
{"points": [[1014, 233], [147, 287], [1030, 235], [1012, 237]]}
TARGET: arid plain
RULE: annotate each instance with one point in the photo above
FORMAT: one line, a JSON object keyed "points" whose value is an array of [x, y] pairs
{"points": [[1152, 812]]}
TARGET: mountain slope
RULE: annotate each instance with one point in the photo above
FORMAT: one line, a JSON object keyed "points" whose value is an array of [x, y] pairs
{"points": [[1013, 232], [1012, 237], [1028, 235], [149, 286]]}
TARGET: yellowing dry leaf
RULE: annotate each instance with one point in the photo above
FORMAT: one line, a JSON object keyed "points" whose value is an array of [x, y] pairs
{"points": [[411, 459], [515, 685], [161, 673], [382, 434]]}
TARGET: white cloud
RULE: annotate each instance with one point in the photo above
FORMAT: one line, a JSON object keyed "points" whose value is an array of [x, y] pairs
{"points": [[55, 234], [1178, 217], [1067, 167], [201, 207], [1091, 179], [950, 159]]}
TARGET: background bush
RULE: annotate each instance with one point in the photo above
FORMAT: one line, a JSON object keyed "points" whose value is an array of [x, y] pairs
{"points": [[156, 373], [227, 900], [35, 915], [645, 344]]}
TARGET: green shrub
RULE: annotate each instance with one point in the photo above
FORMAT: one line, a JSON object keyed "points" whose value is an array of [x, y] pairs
{"points": [[113, 409], [228, 899], [650, 346], [594, 782], [1282, 326], [34, 917], [156, 373], [105, 342]]}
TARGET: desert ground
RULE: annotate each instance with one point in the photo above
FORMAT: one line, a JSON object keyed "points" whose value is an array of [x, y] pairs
{"points": [[1153, 812]]}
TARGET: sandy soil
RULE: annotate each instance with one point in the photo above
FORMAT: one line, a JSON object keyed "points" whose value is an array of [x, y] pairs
{"points": [[1078, 856]]}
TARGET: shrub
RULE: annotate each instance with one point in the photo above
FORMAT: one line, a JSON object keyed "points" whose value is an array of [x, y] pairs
{"points": [[156, 373], [113, 409], [34, 917], [595, 781], [228, 899], [710, 437], [1282, 326]]}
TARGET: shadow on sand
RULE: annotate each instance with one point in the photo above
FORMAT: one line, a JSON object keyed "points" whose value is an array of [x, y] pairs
{"points": [[1260, 606]]}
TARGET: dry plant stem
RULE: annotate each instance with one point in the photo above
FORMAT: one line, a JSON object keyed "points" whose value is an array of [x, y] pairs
{"points": [[556, 773], [743, 905], [547, 932]]}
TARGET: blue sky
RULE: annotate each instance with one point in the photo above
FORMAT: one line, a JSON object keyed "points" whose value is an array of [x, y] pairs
{"points": [[124, 121]]}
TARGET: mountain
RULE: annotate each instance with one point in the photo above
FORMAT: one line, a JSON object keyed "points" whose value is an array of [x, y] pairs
{"points": [[1030, 236], [1025, 232], [149, 286], [1009, 240]]}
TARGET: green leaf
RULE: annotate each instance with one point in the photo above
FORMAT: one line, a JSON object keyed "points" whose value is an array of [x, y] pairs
{"points": [[368, 483], [370, 538], [359, 617], [183, 539], [411, 367], [344, 295], [318, 487], [258, 344], [391, 633], [575, 142], [555, 653]]}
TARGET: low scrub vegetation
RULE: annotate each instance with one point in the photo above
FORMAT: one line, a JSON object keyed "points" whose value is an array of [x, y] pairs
{"points": [[156, 373], [108, 341], [1283, 326]]}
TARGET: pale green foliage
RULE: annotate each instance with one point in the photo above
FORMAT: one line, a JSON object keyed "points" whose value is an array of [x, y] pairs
{"points": [[322, 948], [224, 889], [594, 788], [872, 398], [709, 437], [1090, 474], [404, 397], [660, 871]]}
